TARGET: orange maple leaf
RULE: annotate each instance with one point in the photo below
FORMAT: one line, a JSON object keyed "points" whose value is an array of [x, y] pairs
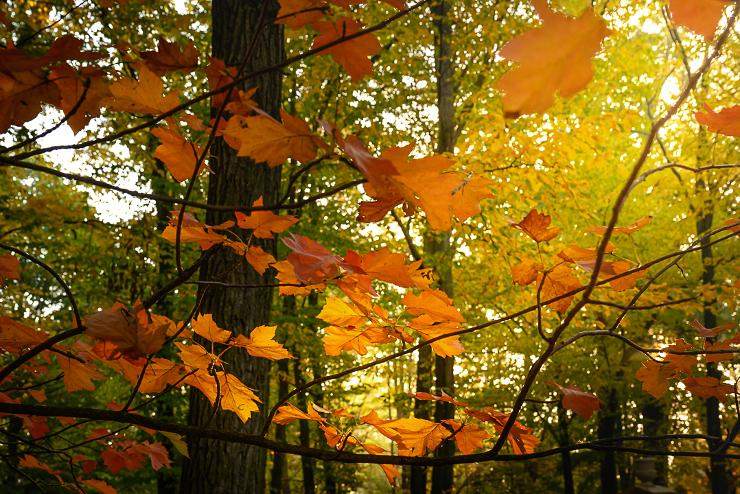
{"points": [[143, 95], [178, 154], [468, 437], [10, 268], [708, 387], [192, 230], [705, 332], [623, 230], [264, 223], [261, 343], [726, 121], [131, 332], [354, 55], [78, 375], [554, 58], [312, 262], [582, 403], [520, 437], [205, 326], [288, 413], [264, 139], [233, 394], [298, 13], [536, 226], [525, 272], [559, 281], [91, 83], [169, 58], [698, 16]]}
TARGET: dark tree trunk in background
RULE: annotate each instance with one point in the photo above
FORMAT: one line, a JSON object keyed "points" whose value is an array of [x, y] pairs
{"points": [[608, 427], [655, 422], [565, 457], [437, 246], [217, 467], [308, 465], [278, 475]]}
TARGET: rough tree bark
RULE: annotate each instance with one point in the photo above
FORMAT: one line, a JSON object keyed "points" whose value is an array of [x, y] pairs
{"points": [[438, 246], [216, 467]]}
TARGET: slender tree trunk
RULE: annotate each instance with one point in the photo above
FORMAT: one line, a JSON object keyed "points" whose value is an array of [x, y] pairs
{"points": [[215, 467], [720, 476], [608, 427], [166, 477], [278, 475], [308, 465], [422, 410], [565, 458], [654, 422], [437, 247]]}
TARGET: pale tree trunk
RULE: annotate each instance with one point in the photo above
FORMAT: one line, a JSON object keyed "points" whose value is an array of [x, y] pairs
{"points": [[437, 247], [217, 467]]}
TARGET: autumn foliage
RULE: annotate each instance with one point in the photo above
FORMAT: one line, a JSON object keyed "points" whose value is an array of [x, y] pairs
{"points": [[378, 304]]}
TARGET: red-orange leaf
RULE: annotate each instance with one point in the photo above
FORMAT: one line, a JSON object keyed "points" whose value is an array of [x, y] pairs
{"points": [[77, 375], [708, 387], [178, 154], [468, 437], [623, 230], [169, 58], [10, 268], [554, 58], [559, 281], [536, 226], [525, 272], [354, 55], [520, 437], [705, 332], [654, 377], [264, 223], [582, 403], [699, 16], [143, 95], [726, 121]]}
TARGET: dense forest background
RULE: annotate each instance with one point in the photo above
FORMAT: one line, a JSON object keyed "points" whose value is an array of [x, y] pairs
{"points": [[435, 82]]}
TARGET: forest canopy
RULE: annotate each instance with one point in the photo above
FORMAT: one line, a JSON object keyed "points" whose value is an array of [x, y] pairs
{"points": [[326, 246]]}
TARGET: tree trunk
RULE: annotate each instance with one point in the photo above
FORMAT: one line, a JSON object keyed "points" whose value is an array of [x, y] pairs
{"points": [[308, 465], [437, 247], [216, 467], [608, 427], [719, 475], [565, 458], [278, 475]]}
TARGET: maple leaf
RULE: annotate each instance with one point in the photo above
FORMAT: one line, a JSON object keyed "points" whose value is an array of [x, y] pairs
{"points": [[559, 280], [198, 357], [726, 121], [21, 96], [264, 223], [157, 453], [520, 437], [654, 377], [708, 387], [698, 16], [391, 473], [535, 225], [10, 268], [430, 328], [99, 485], [623, 230], [206, 236], [719, 357], [264, 139], [680, 363], [298, 13], [178, 154], [178, 442], [91, 83], [339, 339], [205, 326], [261, 343], [415, 437], [37, 427], [234, 395], [30, 461], [77, 375], [354, 54], [130, 331], [525, 272], [288, 413], [169, 58], [420, 395], [705, 332], [434, 304], [338, 312], [287, 277], [468, 437], [554, 58], [158, 374], [258, 258], [142, 95], [219, 75], [388, 266], [582, 403], [312, 262], [16, 337]]}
